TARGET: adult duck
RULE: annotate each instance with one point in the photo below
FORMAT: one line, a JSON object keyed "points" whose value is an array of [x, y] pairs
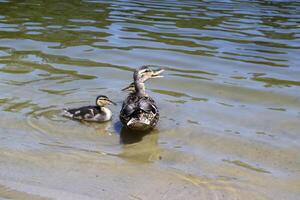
{"points": [[139, 111]]}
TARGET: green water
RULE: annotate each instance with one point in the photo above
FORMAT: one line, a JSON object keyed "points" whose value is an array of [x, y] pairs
{"points": [[229, 101]]}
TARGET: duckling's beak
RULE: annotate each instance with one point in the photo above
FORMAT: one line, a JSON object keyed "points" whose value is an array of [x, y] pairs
{"points": [[126, 88], [156, 73], [111, 102], [130, 87]]}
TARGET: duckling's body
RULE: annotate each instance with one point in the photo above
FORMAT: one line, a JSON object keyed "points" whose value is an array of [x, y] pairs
{"points": [[89, 113], [139, 111], [97, 113]]}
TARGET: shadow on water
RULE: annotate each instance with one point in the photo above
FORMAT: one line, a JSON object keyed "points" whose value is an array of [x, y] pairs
{"points": [[128, 136]]}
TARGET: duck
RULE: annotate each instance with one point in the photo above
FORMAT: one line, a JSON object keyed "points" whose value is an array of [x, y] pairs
{"points": [[96, 113], [139, 111]]}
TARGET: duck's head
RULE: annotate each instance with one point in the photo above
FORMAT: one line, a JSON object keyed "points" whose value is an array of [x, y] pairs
{"points": [[145, 72], [103, 100]]}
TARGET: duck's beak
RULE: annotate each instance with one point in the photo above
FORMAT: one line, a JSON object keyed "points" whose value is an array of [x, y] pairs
{"points": [[156, 73]]}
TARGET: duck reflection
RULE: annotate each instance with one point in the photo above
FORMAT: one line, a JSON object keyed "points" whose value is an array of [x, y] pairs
{"points": [[138, 146], [101, 128], [129, 136]]}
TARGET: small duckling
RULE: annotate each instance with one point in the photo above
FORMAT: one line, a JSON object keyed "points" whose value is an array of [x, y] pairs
{"points": [[97, 113]]}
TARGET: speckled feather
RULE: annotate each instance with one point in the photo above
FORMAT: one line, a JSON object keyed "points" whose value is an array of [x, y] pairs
{"points": [[141, 109]]}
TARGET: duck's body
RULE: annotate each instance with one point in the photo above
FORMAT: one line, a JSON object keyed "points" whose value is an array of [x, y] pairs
{"points": [[97, 113], [139, 111]]}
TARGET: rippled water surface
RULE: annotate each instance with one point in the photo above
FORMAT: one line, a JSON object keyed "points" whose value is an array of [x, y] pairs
{"points": [[229, 101]]}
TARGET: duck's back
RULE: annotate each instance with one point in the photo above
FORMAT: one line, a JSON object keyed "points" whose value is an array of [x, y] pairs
{"points": [[139, 113]]}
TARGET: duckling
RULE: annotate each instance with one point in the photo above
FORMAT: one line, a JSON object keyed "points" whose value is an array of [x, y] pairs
{"points": [[97, 113], [130, 88], [139, 111]]}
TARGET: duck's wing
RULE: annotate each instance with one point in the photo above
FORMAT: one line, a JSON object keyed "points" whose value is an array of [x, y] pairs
{"points": [[129, 105], [133, 105], [148, 105]]}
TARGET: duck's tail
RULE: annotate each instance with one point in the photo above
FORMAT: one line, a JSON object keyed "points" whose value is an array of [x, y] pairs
{"points": [[66, 113], [140, 123]]}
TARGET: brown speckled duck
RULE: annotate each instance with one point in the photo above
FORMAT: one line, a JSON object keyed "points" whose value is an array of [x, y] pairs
{"points": [[139, 111]]}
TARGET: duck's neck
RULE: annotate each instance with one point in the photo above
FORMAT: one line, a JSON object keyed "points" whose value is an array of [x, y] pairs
{"points": [[140, 88]]}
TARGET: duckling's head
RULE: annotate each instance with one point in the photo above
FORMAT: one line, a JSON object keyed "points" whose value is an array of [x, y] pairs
{"points": [[145, 72], [103, 100], [130, 88]]}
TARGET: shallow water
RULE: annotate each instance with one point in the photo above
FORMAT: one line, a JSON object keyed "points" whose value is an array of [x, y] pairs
{"points": [[229, 101]]}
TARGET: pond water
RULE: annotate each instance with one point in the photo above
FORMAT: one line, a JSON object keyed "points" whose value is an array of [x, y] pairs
{"points": [[229, 101]]}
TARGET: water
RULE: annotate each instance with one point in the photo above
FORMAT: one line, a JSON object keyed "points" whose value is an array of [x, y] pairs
{"points": [[229, 101]]}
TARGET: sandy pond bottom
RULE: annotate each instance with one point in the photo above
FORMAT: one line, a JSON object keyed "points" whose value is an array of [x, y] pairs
{"points": [[88, 162]]}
